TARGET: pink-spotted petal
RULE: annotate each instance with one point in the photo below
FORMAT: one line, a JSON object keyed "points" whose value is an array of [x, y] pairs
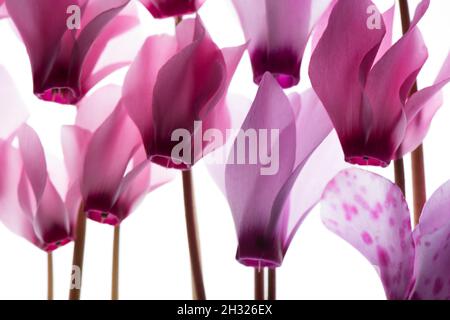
{"points": [[432, 238], [370, 213]]}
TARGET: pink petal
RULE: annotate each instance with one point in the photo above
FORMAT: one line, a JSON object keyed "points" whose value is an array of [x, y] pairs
{"points": [[321, 25], [11, 214], [138, 85], [432, 238], [388, 18], [388, 85], [31, 19], [339, 68], [51, 222], [33, 158], [370, 213], [420, 110], [110, 149], [13, 112], [93, 110], [96, 16], [123, 23], [198, 75], [3, 11], [75, 141], [220, 119], [144, 177]]}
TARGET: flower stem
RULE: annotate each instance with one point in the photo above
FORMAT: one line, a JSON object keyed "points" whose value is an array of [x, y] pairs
{"points": [[78, 255], [399, 172], [192, 234], [49, 276], [417, 156], [259, 283], [418, 177], [272, 294], [115, 264]]}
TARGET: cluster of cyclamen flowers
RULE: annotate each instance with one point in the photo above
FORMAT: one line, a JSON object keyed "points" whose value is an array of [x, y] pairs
{"points": [[361, 109]]}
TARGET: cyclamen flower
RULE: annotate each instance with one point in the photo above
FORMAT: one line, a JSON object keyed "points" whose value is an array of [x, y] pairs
{"points": [[370, 213], [269, 205], [171, 8], [30, 204], [278, 32], [174, 82], [364, 84], [106, 161], [64, 55]]}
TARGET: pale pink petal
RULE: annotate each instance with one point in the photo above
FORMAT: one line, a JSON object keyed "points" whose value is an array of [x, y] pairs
{"points": [[432, 238], [370, 213], [13, 112], [33, 158]]}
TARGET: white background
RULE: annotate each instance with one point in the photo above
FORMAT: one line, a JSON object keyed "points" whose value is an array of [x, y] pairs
{"points": [[154, 258]]}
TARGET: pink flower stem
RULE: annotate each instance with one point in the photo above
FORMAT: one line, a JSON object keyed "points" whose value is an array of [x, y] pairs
{"points": [[192, 235], [78, 254], [115, 264], [417, 156], [49, 276]]}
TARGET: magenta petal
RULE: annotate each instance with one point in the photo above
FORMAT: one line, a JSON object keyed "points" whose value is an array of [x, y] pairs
{"points": [[51, 222], [13, 112], [34, 162], [250, 193], [118, 26], [388, 18], [338, 70], [110, 149], [220, 119], [135, 185], [370, 213], [138, 85], [389, 83], [432, 238], [99, 14], [420, 110], [198, 75], [171, 8]]}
